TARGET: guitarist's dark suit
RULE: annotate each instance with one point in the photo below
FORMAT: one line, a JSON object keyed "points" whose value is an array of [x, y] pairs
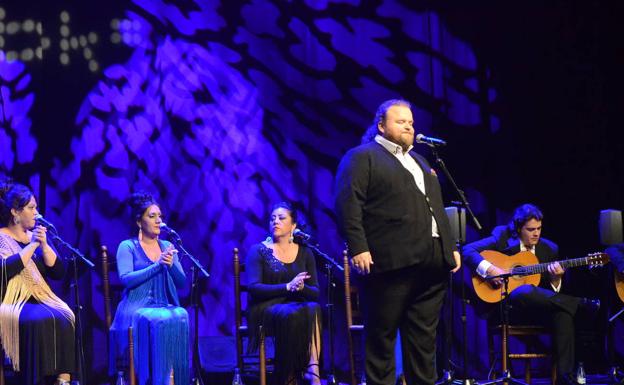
{"points": [[380, 209], [542, 303]]}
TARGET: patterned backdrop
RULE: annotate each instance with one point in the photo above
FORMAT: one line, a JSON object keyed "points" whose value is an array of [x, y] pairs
{"points": [[221, 108]]}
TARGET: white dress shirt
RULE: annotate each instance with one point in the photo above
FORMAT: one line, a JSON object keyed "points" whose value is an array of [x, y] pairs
{"points": [[412, 166]]}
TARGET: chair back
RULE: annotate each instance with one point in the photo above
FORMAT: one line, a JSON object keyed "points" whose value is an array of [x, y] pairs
{"points": [[353, 315], [239, 289], [108, 314]]}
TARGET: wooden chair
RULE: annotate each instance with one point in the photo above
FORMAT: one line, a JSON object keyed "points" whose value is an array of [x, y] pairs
{"points": [[527, 334], [354, 319], [246, 362], [355, 324], [109, 316]]}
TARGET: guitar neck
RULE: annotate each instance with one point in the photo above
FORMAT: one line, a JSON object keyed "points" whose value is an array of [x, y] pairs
{"points": [[543, 267]]}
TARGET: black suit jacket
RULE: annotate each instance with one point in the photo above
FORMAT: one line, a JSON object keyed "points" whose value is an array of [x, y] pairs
{"points": [[616, 254], [502, 241], [380, 209]]}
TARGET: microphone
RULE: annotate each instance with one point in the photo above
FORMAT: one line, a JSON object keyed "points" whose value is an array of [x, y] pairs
{"points": [[301, 235], [39, 219], [164, 227], [434, 142]]}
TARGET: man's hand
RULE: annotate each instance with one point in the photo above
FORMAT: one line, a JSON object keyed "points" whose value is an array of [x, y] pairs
{"points": [[362, 262], [556, 272], [457, 258], [494, 271]]}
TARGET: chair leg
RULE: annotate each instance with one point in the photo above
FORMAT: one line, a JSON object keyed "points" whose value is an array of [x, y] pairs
{"points": [[527, 370], [262, 358], [131, 374]]}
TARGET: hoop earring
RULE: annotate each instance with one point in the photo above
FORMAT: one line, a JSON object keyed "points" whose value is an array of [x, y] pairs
{"points": [[16, 220]]}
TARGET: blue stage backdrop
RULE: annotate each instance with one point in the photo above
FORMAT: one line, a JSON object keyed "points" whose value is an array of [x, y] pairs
{"points": [[221, 108]]}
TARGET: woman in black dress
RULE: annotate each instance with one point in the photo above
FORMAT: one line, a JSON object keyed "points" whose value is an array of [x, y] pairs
{"points": [[284, 293], [36, 326]]}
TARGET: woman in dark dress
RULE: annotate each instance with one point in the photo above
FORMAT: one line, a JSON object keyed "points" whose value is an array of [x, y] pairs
{"points": [[284, 293], [36, 326]]}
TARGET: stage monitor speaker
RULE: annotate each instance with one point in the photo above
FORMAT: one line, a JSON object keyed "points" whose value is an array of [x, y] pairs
{"points": [[217, 353], [457, 219], [610, 226]]}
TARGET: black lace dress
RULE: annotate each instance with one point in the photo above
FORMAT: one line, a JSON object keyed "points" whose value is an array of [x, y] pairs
{"points": [[289, 317]]}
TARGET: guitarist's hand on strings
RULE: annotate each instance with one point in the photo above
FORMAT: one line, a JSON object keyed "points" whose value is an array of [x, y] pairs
{"points": [[556, 271], [494, 271]]}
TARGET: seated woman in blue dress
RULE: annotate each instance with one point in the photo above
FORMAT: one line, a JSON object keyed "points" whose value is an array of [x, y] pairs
{"points": [[284, 293], [36, 326], [151, 275]]}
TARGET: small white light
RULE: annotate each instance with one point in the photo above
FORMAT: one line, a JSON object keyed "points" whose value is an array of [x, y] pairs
{"points": [[115, 38], [64, 44], [64, 30], [11, 56], [87, 53], [93, 65], [27, 54], [65, 17], [2, 13], [39, 53], [114, 24], [73, 42], [39, 28], [92, 37], [28, 25], [13, 27], [1, 42], [125, 25], [1, 27], [82, 40], [64, 58], [45, 42]]}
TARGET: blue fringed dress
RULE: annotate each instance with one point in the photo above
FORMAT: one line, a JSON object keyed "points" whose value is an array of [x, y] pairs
{"points": [[151, 306]]}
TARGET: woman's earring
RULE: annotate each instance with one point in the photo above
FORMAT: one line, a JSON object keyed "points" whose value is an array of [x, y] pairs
{"points": [[291, 239], [140, 234], [16, 220]]}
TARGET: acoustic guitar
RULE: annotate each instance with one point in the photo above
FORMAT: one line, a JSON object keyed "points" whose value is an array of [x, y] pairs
{"points": [[619, 284], [525, 270]]}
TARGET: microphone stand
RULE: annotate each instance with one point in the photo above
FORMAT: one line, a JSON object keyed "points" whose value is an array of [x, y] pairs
{"points": [[197, 266], [448, 376], [330, 265], [76, 254]]}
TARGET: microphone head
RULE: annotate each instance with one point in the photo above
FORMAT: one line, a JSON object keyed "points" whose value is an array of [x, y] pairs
{"points": [[419, 138], [300, 234], [163, 225], [38, 217]]}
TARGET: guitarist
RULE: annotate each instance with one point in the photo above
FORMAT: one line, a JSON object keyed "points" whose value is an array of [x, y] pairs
{"points": [[616, 255], [544, 304]]}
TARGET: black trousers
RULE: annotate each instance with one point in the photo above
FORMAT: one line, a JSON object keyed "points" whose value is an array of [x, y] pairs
{"points": [[557, 311], [408, 300]]}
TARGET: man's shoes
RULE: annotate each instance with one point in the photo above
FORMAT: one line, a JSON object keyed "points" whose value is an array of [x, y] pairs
{"points": [[589, 307]]}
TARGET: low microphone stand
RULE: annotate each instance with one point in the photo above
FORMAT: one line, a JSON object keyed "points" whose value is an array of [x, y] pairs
{"points": [[197, 267], [615, 374], [447, 377], [75, 256], [506, 375], [330, 265]]}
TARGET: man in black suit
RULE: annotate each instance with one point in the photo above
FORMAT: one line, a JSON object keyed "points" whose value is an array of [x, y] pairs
{"points": [[389, 209], [543, 304]]}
